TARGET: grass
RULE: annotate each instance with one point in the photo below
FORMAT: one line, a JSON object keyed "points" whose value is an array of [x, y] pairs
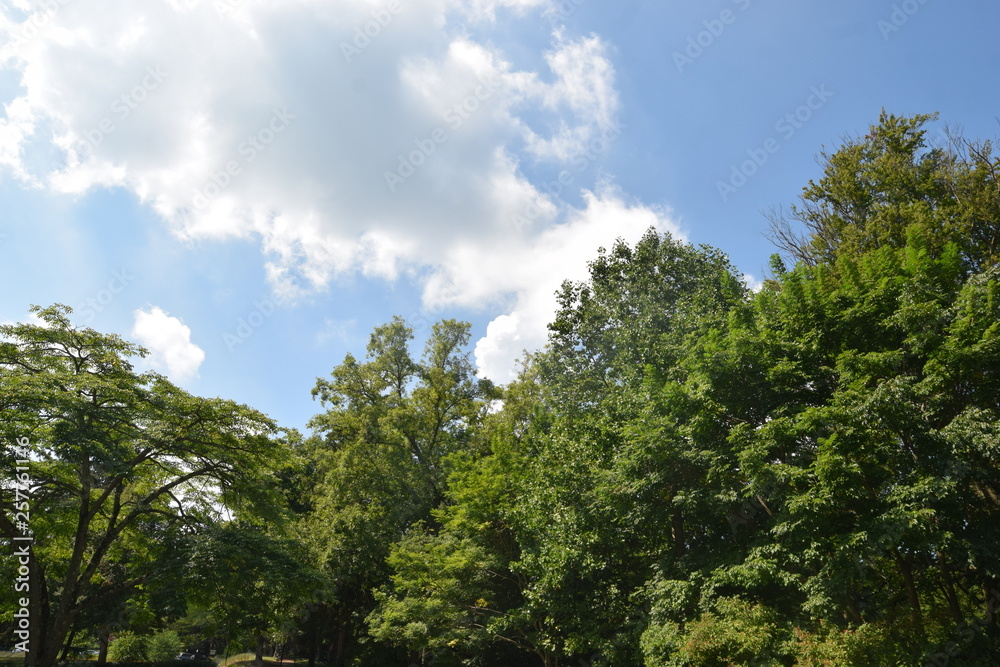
{"points": [[241, 659]]}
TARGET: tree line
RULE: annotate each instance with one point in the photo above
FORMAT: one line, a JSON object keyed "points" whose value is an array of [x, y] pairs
{"points": [[690, 473]]}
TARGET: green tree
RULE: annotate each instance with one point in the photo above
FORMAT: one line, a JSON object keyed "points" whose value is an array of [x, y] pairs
{"points": [[877, 187], [615, 486], [554, 520], [861, 459], [255, 584], [454, 595], [707, 476], [121, 462], [380, 452]]}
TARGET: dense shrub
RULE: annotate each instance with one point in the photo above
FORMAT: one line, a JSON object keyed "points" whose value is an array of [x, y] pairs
{"points": [[163, 646], [128, 647], [163, 663]]}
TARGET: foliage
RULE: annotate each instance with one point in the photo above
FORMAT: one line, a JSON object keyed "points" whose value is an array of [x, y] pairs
{"points": [[127, 465], [690, 473], [381, 454], [129, 647], [735, 633], [756, 470], [253, 583], [162, 646]]}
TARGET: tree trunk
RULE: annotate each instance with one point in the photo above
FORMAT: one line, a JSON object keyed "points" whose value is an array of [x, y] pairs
{"points": [[313, 644], [54, 637], [854, 613], [259, 657], [58, 622], [949, 590], [677, 532], [341, 640], [38, 606], [992, 602], [104, 638], [69, 644], [906, 570], [548, 659]]}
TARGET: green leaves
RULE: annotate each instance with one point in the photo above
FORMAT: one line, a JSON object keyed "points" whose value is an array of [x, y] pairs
{"points": [[689, 473], [125, 462], [252, 581], [437, 595], [382, 456]]}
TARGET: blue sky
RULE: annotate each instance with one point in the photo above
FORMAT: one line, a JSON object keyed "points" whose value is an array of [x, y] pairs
{"points": [[248, 187]]}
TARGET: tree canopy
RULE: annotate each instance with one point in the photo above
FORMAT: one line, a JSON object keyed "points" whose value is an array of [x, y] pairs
{"points": [[691, 472], [124, 466]]}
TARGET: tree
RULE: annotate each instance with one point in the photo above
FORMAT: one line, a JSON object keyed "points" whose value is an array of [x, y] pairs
{"points": [[122, 464], [255, 584], [380, 453], [874, 188], [708, 476], [616, 487], [865, 450], [554, 520], [453, 594]]}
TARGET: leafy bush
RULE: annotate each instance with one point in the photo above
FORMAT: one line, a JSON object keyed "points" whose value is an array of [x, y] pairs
{"points": [[737, 633], [163, 646], [128, 647], [826, 647], [166, 663]]}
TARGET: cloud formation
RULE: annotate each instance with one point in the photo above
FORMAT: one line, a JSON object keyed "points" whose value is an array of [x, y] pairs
{"points": [[372, 137], [168, 340]]}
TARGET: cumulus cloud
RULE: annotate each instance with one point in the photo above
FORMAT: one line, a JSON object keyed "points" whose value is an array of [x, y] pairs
{"points": [[30, 318], [344, 137], [752, 282], [168, 340], [560, 253]]}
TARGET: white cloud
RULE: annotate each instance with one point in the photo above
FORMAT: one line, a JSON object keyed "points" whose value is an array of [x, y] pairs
{"points": [[486, 9], [338, 330], [753, 284], [168, 340], [284, 122], [560, 253], [585, 88], [30, 318]]}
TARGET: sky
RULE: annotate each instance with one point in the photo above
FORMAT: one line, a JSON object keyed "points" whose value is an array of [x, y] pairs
{"points": [[248, 187]]}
